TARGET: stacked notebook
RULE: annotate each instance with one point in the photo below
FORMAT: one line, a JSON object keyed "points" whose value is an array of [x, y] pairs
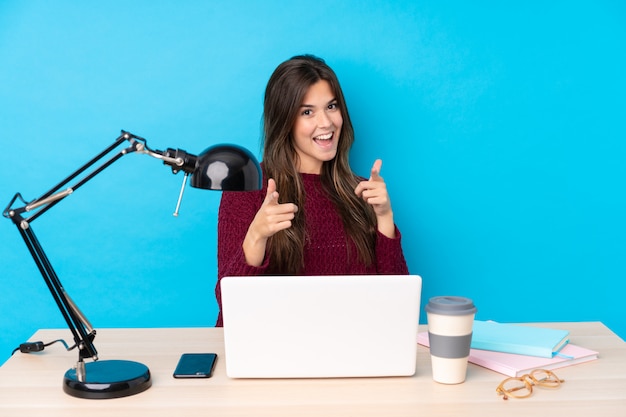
{"points": [[515, 350]]}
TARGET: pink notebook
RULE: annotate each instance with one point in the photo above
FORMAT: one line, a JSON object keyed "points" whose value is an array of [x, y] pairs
{"points": [[516, 365]]}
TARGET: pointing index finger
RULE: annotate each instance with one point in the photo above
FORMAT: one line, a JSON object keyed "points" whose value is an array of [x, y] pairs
{"points": [[270, 196], [375, 172]]}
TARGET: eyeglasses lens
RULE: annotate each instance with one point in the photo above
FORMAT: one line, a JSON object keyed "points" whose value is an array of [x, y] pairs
{"points": [[545, 378], [517, 388]]}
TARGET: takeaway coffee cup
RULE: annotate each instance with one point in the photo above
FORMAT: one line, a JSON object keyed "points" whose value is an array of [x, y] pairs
{"points": [[450, 321]]}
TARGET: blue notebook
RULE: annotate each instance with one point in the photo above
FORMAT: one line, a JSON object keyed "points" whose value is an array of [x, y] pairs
{"points": [[522, 340]]}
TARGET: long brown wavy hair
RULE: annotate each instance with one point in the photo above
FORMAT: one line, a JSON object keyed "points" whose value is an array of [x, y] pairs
{"points": [[284, 95]]}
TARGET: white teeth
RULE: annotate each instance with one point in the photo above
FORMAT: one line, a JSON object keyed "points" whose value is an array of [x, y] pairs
{"points": [[324, 137]]}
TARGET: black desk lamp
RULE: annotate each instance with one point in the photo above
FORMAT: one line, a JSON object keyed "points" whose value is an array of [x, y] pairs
{"points": [[220, 167]]}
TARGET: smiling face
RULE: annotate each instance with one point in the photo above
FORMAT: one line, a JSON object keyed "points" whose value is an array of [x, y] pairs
{"points": [[317, 128]]}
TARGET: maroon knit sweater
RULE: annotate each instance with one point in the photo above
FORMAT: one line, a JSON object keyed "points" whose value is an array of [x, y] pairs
{"points": [[325, 252]]}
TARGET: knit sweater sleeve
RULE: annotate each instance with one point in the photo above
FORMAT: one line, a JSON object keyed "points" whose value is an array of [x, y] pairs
{"points": [[237, 209], [236, 212], [389, 255]]}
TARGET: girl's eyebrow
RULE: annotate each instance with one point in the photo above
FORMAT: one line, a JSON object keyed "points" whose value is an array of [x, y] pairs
{"points": [[310, 106]]}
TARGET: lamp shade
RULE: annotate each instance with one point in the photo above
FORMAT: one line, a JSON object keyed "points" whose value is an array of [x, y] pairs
{"points": [[228, 168]]}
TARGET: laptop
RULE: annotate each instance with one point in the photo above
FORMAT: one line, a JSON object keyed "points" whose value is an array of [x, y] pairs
{"points": [[320, 326]]}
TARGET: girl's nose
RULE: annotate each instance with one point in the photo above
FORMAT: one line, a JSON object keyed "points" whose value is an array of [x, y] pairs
{"points": [[323, 120]]}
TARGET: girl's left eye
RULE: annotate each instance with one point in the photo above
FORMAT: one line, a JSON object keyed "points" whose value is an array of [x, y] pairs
{"points": [[332, 106]]}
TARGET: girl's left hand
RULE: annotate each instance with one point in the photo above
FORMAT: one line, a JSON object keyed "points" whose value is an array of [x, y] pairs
{"points": [[374, 192]]}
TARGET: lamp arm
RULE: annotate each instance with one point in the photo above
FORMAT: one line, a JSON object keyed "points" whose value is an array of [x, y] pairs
{"points": [[50, 198], [82, 332]]}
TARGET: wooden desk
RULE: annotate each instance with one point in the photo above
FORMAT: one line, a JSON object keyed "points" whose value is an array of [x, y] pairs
{"points": [[30, 385]]}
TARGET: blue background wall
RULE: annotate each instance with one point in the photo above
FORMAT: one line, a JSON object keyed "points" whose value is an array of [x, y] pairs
{"points": [[501, 127]]}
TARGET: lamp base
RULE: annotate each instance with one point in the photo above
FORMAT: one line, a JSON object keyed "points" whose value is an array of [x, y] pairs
{"points": [[108, 379]]}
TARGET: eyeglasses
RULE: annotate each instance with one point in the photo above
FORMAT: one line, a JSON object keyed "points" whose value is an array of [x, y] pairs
{"points": [[522, 387]]}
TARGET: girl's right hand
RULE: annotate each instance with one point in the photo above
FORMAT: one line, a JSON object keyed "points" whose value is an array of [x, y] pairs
{"points": [[271, 218]]}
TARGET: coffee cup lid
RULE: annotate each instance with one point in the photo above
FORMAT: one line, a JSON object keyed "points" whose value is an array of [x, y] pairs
{"points": [[450, 306]]}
